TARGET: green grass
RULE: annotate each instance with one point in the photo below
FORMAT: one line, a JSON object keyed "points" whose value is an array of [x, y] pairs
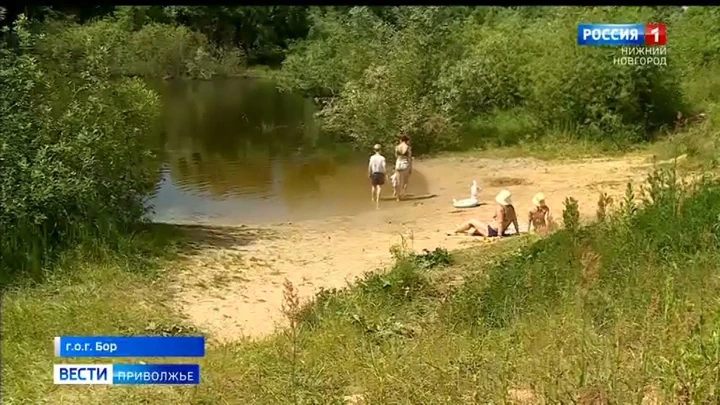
{"points": [[698, 143], [552, 148], [549, 150], [109, 296]]}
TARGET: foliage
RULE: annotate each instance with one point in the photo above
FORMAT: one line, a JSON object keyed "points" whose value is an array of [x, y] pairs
{"points": [[322, 64], [442, 74], [431, 259], [72, 153], [154, 50], [695, 53], [379, 75], [263, 32], [571, 214]]}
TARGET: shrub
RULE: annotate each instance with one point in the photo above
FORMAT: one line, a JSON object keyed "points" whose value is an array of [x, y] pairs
{"points": [[442, 74], [153, 51], [73, 154], [160, 50], [339, 48], [502, 128]]}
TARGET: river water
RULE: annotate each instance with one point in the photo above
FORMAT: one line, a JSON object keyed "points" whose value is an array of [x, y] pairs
{"points": [[239, 151]]}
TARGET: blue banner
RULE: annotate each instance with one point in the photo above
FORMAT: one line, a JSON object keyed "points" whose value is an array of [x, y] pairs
{"points": [[130, 346], [126, 374], [155, 374], [611, 34]]}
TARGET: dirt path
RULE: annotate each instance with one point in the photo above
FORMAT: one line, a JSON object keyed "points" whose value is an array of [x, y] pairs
{"points": [[231, 285]]}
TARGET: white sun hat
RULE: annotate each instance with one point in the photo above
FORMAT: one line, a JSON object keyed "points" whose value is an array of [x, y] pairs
{"points": [[504, 197], [538, 200]]}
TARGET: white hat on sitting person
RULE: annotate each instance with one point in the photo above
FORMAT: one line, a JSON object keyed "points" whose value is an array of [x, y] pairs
{"points": [[504, 197], [538, 200]]}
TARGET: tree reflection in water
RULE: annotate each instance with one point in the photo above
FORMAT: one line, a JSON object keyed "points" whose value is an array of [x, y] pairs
{"points": [[242, 140]]}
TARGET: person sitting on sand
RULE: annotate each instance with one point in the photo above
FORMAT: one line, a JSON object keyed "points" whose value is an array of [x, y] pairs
{"points": [[539, 217], [504, 216]]}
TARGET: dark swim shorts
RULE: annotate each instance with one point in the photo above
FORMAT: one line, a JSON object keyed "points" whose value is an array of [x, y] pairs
{"points": [[492, 232], [377, 179]]}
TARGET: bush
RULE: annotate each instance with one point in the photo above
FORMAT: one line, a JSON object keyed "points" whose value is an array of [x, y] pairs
{"points": [[334, 52], [160, 50], [442, 74], [379, 79], [502, 128], [74, 156], [153, 51], [580, 88]]}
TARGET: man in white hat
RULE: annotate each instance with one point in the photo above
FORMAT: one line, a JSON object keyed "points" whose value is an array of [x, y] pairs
{"points": [[504, 216], [539, 216]]}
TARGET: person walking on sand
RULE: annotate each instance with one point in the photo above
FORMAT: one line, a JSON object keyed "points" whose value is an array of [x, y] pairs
{"points": [[403, 165], [504, 216], [376, 172], [539, 217]]}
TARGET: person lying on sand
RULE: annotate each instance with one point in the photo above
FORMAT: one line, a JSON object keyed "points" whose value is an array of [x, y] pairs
{"points": [[504, 216], [539, 217]]}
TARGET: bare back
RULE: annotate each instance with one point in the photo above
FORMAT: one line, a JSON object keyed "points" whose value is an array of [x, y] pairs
{"points": [[402, 151], [505, 215]]}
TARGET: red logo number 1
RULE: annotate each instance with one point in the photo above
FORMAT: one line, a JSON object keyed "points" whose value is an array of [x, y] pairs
{"points": [[655, 35]]}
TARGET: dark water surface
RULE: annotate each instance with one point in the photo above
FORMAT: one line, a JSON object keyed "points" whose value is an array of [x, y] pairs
{"points": [[239, 151]]}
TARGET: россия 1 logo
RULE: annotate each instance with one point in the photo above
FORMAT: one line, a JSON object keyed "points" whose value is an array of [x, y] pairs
{"points": [[641, 44]]}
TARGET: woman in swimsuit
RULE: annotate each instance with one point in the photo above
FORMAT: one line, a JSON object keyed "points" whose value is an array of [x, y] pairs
{"points": [[403, 165], [504, 216], [539, 217]]}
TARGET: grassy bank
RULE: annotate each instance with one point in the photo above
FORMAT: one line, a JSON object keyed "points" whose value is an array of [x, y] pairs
{"points": [[619, 310], [556, 149]]}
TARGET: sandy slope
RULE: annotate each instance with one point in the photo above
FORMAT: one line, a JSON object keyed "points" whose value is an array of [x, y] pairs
{"points": [[231, 283]]}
